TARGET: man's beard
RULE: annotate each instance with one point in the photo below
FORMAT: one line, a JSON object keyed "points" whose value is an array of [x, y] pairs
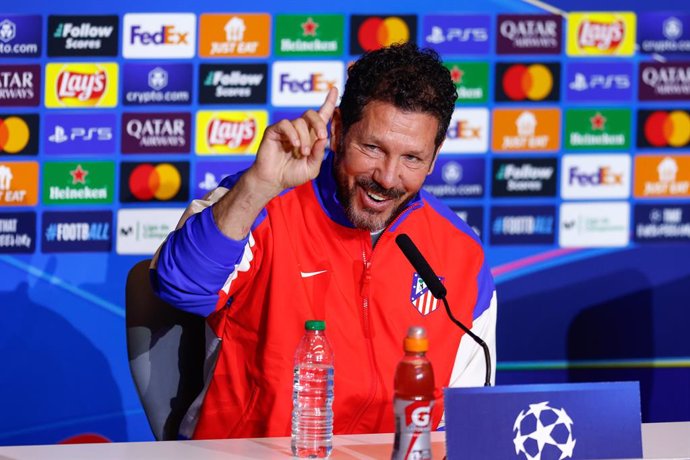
{"points": [[365, 219]]}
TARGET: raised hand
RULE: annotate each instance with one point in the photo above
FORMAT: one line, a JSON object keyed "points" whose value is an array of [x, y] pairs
{"points": [[291, 151]]}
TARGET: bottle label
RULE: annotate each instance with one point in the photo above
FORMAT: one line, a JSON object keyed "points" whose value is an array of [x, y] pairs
{"points": [[412, 429]]}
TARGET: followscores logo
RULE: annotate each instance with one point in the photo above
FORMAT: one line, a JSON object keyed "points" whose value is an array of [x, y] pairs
{"points": [[83, 35], [159, 36], [239, 83], [521, 177]]}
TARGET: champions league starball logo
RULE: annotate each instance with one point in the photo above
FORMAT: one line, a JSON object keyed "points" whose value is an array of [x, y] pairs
{"points": [[543, 433]]}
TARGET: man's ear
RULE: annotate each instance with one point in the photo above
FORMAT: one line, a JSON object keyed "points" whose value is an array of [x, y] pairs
{"points": [[433, 162], [336, 129]]}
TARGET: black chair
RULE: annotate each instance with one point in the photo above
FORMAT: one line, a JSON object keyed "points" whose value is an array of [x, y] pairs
{"points": [[167, 351]]}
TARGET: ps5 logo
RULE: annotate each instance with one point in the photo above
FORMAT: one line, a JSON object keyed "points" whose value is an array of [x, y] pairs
{"points": [[474, 34], [60, 135], [581, 82]]}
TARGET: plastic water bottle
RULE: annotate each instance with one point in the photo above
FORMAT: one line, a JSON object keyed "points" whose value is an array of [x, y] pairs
{"points": [[413, 401], [312, 394]]}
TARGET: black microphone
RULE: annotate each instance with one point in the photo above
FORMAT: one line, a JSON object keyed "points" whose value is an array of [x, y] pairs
{"points": [[438, 290]]}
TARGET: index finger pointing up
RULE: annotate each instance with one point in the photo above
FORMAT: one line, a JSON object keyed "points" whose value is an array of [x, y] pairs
{"points": [[326, 110]]}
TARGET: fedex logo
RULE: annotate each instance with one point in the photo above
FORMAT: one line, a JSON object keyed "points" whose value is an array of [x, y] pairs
{"points": [[596, 176], [315, 82], [158, 36], [305, 83], [602, 176], [167, 35]]}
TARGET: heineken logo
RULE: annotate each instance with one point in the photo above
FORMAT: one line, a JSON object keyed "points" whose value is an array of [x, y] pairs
{"points": [[309, 35], [82, 182], [603, 129], [470, 79]]}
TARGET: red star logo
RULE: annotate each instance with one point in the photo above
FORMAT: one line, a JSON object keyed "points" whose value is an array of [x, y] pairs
{"points": [[456, 74], [79, 175], [598, 121], [309, 28]]}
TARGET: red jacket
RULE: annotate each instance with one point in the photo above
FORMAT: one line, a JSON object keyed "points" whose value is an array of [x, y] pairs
{"points": [[304, 260]]}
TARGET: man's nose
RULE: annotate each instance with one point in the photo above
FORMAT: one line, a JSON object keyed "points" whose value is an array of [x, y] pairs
{"points": [[387, 173]]}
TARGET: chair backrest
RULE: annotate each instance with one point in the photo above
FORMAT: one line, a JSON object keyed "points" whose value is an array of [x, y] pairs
{"points": [[167, 350]]}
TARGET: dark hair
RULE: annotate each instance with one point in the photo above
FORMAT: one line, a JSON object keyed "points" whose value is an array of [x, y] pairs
{"points": [[410, 78]]}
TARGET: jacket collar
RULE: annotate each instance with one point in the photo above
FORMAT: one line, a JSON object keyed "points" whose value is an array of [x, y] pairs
{"points": [[325, 189]]}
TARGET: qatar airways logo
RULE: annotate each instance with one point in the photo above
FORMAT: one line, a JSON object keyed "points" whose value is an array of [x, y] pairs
{"points": [[230, 133]]}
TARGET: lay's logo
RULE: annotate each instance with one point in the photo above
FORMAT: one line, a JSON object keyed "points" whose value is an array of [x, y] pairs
{"points": [[229, 131], [601, 34], [81, 85]]}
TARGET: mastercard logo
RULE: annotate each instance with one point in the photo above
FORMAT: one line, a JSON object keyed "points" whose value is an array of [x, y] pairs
{"points": [[161, 182], [534, 82], [375, 32], [668, 129], [14, 134]]}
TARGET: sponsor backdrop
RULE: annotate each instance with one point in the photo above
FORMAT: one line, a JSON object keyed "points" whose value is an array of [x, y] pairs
{"points": [[568, 154]]}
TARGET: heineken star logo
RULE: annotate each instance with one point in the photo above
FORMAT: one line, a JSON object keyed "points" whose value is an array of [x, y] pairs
{"points": [[79, 175], [456, 74], [598, 122], [309, 28]]}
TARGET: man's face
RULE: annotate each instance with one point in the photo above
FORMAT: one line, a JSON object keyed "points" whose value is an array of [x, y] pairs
{"points": [[382, 162]]}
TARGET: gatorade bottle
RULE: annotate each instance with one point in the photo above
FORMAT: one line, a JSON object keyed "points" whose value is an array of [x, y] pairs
{"points": [[312, 394], [414, 399]]}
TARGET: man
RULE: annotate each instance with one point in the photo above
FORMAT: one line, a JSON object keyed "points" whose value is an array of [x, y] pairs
{"points": [[298, 236]]}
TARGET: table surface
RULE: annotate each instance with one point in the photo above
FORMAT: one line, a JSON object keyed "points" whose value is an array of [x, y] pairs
{"points": [[659, 441]]}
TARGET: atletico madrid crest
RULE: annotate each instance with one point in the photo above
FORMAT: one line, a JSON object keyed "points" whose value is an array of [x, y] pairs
{"points": [[421, 296]]}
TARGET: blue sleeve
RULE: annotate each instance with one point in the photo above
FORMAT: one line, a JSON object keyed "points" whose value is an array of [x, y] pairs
{"points": [[194, 264]]}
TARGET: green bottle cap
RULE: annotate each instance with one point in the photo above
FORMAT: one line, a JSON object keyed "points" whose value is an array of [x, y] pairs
{"points": [[313, 325]]}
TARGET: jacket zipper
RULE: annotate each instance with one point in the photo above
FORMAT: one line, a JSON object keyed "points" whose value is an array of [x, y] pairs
{"points": [[365, 287]]}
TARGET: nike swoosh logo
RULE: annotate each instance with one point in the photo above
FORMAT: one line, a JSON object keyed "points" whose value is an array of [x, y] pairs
{"points": [[310, 274]]}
